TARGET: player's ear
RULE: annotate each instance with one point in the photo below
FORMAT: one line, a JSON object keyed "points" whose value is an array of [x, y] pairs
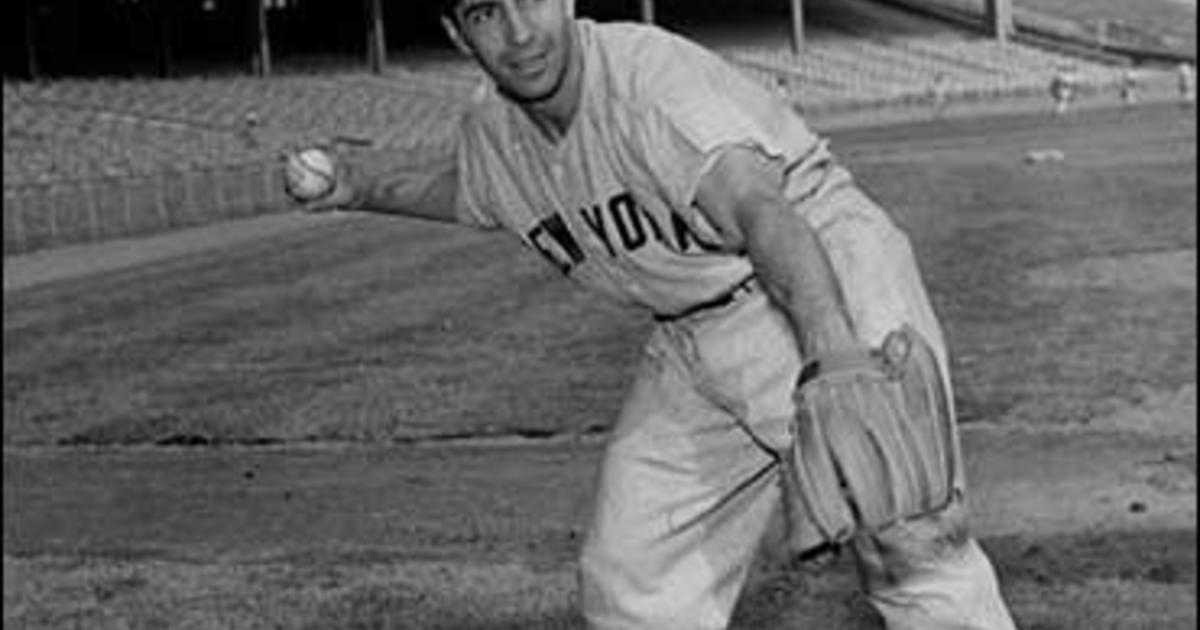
{"points": [[569, 8], [456, 36]]}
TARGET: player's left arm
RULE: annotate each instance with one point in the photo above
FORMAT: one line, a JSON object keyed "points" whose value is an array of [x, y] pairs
{"points": [[742, 196]]}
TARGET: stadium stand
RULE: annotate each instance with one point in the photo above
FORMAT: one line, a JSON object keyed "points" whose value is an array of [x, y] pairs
{"points": [[89, 158]]}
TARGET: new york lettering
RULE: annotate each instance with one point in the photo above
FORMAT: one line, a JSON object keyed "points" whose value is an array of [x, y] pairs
{"points": [[620, 225], [552, 238]]}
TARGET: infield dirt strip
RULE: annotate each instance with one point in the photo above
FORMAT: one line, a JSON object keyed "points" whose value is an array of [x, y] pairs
{"points": [[1083, 483]]}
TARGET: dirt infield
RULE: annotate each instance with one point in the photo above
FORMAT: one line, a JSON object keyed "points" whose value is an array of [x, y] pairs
{"points": [[1076, 517], [1068, 290]]}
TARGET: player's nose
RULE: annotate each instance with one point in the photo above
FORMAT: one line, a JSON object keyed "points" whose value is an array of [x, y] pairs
{"points": [[520, 30]]}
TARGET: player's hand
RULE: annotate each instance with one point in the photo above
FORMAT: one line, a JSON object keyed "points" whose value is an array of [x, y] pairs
{"points": [[317, 180]]}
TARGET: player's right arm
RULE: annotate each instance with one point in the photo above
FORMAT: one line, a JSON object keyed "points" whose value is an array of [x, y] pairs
{"points": [[429, 191], [373, 182]]}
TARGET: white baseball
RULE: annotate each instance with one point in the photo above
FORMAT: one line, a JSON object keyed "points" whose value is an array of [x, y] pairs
{"points": [[310, 174]]}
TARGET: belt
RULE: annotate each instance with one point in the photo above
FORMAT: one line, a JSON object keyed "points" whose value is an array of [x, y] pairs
{"points": [[724, 299]]}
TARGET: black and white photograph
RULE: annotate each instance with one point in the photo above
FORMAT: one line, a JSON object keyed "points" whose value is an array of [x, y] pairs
{"points": [[600, 315]]}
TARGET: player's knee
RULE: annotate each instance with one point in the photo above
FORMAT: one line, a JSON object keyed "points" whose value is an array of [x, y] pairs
{"points": [[913, 547]]}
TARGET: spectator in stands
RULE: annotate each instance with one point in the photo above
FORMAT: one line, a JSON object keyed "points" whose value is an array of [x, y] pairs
{"points": [[249, 131], [783, 88]]}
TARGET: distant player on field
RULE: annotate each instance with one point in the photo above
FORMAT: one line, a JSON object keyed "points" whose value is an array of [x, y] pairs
{"points": [[1063, 87], [939, 94], [1128, 87], [648, 169], [1187, 83]]}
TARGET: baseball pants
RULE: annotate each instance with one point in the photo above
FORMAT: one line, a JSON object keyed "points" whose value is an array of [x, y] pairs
{"points": [[687, 488]]}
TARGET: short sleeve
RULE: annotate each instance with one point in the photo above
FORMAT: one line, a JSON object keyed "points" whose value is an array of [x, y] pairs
{"points": [[689, 106], [472, 204]]}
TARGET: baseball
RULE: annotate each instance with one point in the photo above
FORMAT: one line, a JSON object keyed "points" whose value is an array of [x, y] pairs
{"points": [[310, 174]]}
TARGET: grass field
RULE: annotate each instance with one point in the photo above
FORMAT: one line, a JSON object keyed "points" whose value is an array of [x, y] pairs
{"points": [[1067, 289], [378, 330], [255, 436]]}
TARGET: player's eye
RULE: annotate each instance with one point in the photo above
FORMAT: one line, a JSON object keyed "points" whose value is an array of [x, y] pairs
{"points": [[480, 14]]}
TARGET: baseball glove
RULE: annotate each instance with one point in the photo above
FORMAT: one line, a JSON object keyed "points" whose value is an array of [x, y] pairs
{"points": [[874, 442]]}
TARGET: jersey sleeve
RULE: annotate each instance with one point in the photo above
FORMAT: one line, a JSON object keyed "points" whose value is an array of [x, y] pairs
{"points": [[474, 204], [476, 159], [425, 183], [688, 106]]}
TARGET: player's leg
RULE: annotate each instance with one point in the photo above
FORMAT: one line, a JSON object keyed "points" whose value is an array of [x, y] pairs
{"points": [[684, 498], [928, 574]]}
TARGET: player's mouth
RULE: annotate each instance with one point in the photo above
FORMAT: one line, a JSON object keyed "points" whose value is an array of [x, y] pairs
{"points": [[529, 67]]}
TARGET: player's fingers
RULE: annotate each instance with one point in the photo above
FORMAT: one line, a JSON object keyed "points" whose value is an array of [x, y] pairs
{"points": [[313, 207], [319, 206]]}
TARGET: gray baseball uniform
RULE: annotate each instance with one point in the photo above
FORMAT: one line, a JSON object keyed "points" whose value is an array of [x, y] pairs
{"points": [[689, 484]]}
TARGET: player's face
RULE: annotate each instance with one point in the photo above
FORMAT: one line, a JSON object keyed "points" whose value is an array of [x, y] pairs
{"points": [[527, 46]]}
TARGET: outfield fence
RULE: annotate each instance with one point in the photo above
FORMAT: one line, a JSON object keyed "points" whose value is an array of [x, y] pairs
{"points": [[69, 211]]}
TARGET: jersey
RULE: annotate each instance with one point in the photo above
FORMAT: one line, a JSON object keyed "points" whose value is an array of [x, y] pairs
{"points": [[612, 202]]}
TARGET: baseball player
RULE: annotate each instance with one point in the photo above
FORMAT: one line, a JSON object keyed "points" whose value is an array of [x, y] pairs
{"points": [[1062, 89], [1128, 88], [939, 94], [1187, 83], [644, 167]]}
